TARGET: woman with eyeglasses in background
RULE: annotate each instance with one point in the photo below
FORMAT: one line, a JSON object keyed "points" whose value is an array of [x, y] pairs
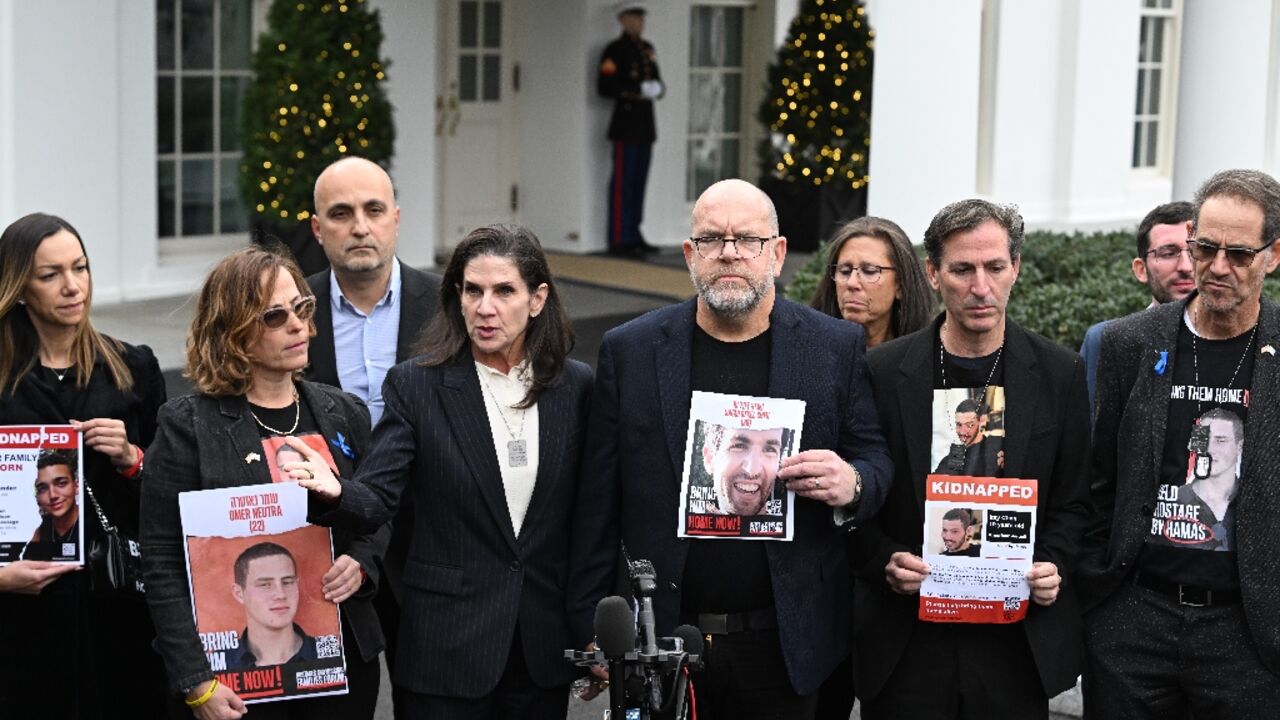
{"points": [[67, 648], [873, 278], [245, 354]]}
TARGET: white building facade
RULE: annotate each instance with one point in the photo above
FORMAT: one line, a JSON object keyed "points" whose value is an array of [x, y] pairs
{"points": [[119, 114]]}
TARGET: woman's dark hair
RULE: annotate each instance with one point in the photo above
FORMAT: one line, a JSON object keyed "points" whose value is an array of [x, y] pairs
{"points": [[19, 342], [548, 337], [910, 312]]}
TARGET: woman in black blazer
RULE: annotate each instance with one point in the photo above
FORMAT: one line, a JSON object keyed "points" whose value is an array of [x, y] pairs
{"points": [[245, 352], [67, 648], [485, 431]]}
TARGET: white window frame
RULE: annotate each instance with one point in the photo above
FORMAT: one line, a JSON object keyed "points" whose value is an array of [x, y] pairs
{"points": [[1168, 14], [745, 96], [177, 247]]}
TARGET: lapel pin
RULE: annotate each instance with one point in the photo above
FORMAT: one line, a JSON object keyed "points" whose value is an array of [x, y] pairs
{"points": [[1267, 350], [252, 457], [1162, 363]]}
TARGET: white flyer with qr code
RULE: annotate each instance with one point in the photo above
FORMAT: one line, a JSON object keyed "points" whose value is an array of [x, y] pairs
{"points": [[255, 568], [979, 536]]}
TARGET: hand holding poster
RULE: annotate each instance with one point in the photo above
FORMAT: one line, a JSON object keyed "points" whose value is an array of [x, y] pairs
{"points": [[255, 569], [979, 535], [41, 494], [734, 448]]}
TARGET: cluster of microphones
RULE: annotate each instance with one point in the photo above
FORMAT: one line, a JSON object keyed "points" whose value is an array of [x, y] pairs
{"points": [[648, 675]]}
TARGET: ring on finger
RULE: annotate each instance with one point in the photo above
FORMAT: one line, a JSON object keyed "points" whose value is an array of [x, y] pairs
{"points": [[814, 483], [310, 475]]}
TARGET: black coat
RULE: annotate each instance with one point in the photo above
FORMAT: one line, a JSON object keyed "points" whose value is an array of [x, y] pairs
{"points": [[96, 643], [626, 63], [1046, 439], [1129, 439], [202, 443], [469, 581]]}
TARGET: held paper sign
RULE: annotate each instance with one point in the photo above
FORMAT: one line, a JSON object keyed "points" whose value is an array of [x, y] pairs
{"points": [[41, 494], [979, 535], [730, 486], [254, 566]]}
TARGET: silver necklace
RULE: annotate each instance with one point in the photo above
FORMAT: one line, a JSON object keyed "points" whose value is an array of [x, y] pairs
{"points": [[517, 448], [942, 365], [1195, 354], [61, 375], [297, 417]]}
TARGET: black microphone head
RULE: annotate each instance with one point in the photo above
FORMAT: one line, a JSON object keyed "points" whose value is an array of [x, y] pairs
{"points": [[642, 567], [615, 627], [692, 638], [644, 578]]}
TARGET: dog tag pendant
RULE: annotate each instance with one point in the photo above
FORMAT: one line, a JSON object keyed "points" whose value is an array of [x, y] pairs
{"points": [[517, 453]]}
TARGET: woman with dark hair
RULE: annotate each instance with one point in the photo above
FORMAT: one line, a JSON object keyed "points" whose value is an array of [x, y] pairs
{"points": [[245, 354], [484, 431], [66, 647], [874, 278]]}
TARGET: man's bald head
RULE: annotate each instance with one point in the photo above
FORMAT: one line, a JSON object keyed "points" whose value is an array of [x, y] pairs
{"points": [[356, 221], [738, 192], [344, 168]]}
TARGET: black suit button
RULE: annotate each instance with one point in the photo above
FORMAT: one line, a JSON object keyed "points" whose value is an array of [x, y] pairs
{"points": [[515, 566]]}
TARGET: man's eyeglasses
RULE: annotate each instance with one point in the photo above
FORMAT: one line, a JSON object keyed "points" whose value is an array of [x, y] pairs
{"points": [[867, 272], [1236, 255], [1167, 252], [302, 309], [712, 246]]}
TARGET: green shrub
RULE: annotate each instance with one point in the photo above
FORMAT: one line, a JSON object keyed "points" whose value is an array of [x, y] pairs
{"points": [[1066, 284]]}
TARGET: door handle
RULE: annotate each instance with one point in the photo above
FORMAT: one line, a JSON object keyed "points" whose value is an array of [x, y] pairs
{"points": [[455, 109], [440, 115]]}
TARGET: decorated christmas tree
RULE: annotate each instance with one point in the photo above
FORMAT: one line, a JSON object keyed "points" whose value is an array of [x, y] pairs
{"points": [[317, 95], [818, 104]]}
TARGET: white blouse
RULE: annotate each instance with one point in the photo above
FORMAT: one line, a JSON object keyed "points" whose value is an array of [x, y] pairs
{"points": [[511, 425]]}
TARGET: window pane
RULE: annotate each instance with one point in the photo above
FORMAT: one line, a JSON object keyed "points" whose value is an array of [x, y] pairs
{"points": [[1144, 39], [492, 77], [1137, 144], [468, 20], [165, 197], [704, 157], [699, 42], [232, 92], [467, 78], [729, 158], [164, 115], [492, 25], [1153, 92], [237, 34], [165, 38], [732, 82], [1153, 133], [1141, 100], [1158, 26], [234, 217], [732, 36], [197, 114], [197, 197], [197, 34], [706, 103]]}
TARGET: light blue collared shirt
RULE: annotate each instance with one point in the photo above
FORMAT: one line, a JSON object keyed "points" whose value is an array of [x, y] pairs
{"points": [[365, 345]]}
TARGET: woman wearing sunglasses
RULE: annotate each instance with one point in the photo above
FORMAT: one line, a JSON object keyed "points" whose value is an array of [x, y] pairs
{"points": [[67, 647], [245, 354]]}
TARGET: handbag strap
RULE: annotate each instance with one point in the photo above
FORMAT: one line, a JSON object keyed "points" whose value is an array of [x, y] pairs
{"points": [[102, 517]]}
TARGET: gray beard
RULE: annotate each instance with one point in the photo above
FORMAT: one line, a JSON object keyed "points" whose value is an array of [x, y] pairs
{"points": [[733, 302]]}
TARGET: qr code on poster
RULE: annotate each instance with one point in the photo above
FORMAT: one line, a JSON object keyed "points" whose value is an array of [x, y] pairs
{"points": [[328, 646], [773, 507], [1012, 603]]}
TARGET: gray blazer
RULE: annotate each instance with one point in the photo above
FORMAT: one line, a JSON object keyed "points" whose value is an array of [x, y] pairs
{"points": [[1128, 442]]}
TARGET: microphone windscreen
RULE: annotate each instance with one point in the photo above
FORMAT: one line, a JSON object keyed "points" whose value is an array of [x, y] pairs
{"points": [[615, 627], [692, 638], [642, 567]]}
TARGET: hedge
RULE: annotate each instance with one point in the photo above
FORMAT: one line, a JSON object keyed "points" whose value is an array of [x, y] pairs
{"points": [[1067, 283]]}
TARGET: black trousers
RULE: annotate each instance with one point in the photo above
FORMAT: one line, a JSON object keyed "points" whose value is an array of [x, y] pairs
{"points": [[746, 678], [516, 697], [955, 671], [1150, 657]]}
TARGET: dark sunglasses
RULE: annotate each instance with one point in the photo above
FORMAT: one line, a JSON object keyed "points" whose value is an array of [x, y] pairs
{"points": [[303, 309], [1236, 255]]}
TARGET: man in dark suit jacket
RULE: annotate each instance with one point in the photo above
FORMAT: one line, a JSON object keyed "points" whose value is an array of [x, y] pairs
{"points": [[1180, 617], [370, 310], [780, 607], [908, 668]]}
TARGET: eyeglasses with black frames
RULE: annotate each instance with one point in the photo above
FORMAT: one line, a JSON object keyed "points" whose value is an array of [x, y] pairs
{"points": [[303, 309], [867, 272], [748, 247], [1237, 255]]}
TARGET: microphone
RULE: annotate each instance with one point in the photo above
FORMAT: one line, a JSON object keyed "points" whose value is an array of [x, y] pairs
{"points": [[691, 641], [615, 636], [644, 583]]}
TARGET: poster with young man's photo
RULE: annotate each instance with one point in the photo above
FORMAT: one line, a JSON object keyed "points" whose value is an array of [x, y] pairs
{"points": [[41, 494], [733, 452], [255, 568]]}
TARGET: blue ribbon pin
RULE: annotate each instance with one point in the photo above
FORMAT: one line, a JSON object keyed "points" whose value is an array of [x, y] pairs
{"points": [[341, 444], [1161, 364]]}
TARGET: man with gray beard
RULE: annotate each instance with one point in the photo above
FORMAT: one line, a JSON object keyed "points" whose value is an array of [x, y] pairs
{"points": [[776, 613]]}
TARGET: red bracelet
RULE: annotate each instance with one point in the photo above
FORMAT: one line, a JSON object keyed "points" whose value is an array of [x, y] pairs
{"points": [[132, 471]]}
